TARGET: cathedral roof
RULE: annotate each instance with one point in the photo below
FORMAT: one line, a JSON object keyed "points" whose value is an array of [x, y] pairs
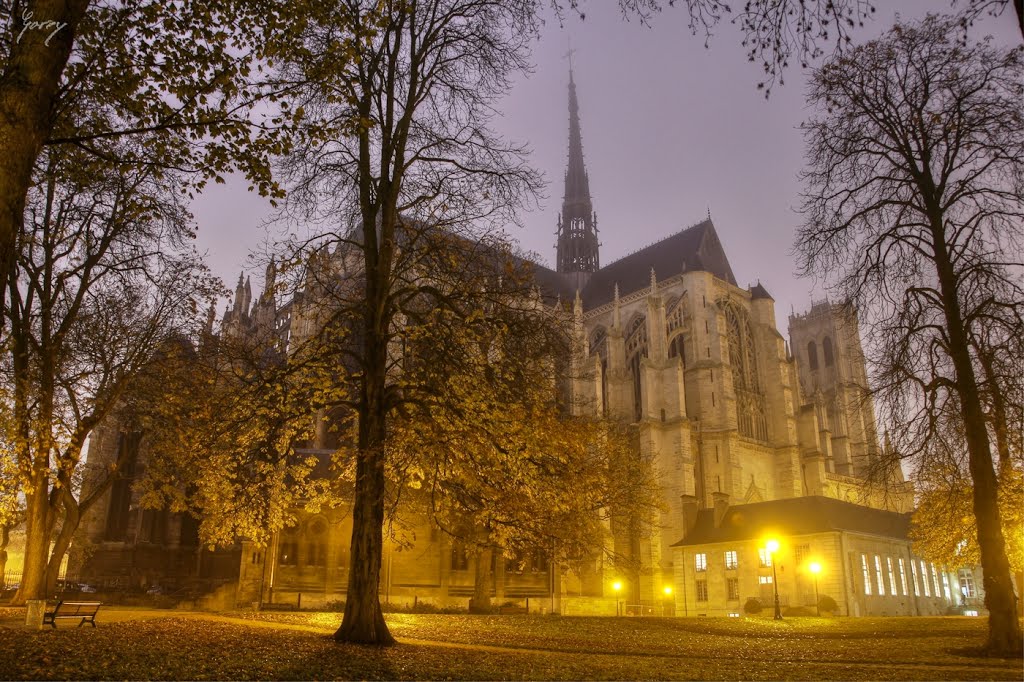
{"points": [[695, 248], [795, 516], [759, 291]]}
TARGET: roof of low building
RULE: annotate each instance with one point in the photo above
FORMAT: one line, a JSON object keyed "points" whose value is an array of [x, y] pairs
{"points": [[795, 516]]}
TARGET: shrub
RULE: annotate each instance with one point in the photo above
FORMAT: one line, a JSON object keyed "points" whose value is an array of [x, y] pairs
{"points": [[753, 606], [827, 604]]}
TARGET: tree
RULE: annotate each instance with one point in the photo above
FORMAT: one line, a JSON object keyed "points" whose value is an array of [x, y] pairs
{"points": [[225, 427], [397, 143], [102, 279], [492, 451], [914, 207], [75, 73]]}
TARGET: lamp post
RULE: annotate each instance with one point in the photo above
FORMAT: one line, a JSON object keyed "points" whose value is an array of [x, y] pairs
{"points": [[815, 568], [668, 595], [773, 546], [617, 586]]}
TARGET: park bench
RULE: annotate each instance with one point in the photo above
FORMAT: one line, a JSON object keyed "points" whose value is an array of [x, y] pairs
{"points": [[85, 610]]}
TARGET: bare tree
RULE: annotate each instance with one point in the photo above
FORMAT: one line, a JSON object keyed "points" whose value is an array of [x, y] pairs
{"points": [[398, 143], [914, 206], [102, 279]]}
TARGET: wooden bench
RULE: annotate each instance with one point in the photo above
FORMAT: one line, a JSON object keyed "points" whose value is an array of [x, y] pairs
{"points": [[85, 610]]}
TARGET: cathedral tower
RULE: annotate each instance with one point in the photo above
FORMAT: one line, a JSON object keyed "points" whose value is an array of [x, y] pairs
{"points": [[577, 224]]}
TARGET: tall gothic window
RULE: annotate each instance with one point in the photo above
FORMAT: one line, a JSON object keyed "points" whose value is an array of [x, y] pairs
{"points": [[812, 355], [599, 347], [750, 411], [636, 350], [826, 351]]}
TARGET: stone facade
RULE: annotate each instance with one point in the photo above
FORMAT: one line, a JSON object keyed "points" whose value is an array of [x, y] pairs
{"points": [[727, 412]]}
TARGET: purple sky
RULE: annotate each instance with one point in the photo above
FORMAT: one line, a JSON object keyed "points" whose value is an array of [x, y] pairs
{"points": [[670, 130]]}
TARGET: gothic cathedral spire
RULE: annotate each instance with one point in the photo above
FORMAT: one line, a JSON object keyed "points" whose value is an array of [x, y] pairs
{"points": [[577, 224]]}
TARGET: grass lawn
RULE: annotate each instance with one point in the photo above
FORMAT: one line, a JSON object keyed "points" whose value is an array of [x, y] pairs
{"points": [[172, 645]]}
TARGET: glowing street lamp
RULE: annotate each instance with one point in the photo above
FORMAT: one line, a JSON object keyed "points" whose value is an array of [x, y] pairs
{"points": [[773, 546], [667, 590], [617, 586], [815, 568]]}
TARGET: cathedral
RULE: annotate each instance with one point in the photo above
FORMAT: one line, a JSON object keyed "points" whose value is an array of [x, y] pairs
{"points": [[762, 448]]}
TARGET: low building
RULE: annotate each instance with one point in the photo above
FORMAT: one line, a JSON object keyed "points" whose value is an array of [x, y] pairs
{"points": [[864, 558]]}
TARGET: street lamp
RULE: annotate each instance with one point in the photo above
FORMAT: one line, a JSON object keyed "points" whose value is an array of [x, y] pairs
{"points": [[815, 568], [617, 586], [668, 595], [773, 546]]}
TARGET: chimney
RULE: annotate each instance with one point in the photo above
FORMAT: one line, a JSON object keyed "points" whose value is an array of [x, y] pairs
{"points": [[689, 513], [721, 501]]}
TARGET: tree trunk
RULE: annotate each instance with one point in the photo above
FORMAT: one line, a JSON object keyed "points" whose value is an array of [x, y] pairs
{"points": [[1004, 634], [363, 621], [28, 88], [481, 581], [37, 540], [72, 518]]}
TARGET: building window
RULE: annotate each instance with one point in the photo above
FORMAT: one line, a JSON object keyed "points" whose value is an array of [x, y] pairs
{"points": [[731, 560], [867, 573], [892, 577], [935, 577], [460, 557], [924, 580], [289, 555], [878, 573], [765, 556], [801, 552], [903, 577], [812, 355], [764, 579], [751, 417], [913, 571], [967, 583], [733, 587], [317, 554], [702, 590], [700, 562], [826, 350], [945, 586]]}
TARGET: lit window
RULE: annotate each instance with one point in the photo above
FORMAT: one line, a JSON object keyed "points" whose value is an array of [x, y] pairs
{"points": [[967, 583], [867, 573], [945, 586], [731, 560], [913, 571], [892, 576], [924, 580], [702, 590], [735, 614], [700, 562], [935, 577], [765, 556], [970, 613], [764, 579], [878, 572], [903, 577], [733, 585]]}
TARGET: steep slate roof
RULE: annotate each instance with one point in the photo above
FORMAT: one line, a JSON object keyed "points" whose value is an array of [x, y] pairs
{"points": [[795, 516], [760, 292], [553, 285], [695, 248]]}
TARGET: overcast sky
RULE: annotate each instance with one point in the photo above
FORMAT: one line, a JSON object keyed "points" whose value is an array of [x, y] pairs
{"points": [[671, 130]]}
